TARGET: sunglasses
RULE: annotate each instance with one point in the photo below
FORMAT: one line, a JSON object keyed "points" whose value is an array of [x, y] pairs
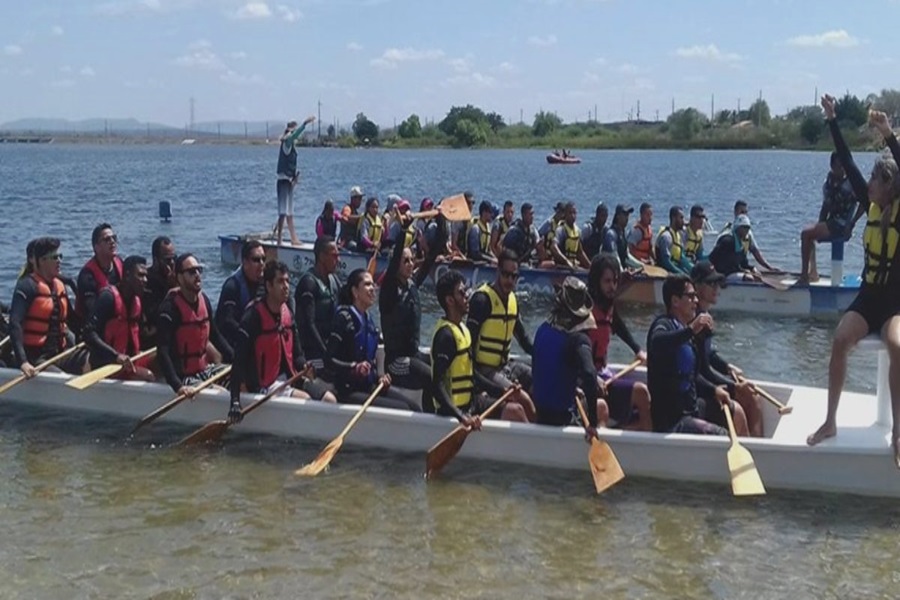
{"points": [[54, 256], [689, 295], [109, 238], [193, 271]]}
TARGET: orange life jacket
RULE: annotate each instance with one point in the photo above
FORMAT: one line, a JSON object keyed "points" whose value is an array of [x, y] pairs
{"points": [[123, 331], [192, 335], [643, 249], [274, 344], [36, 326]]}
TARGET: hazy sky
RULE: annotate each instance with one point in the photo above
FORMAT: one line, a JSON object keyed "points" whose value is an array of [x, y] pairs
{"points": [[275, 59]]}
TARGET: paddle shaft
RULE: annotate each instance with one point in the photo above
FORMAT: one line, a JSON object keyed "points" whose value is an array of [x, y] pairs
{"points": [[731, 430], [47, 363], [634, 365], [4, 342], [362, 409], [179, 399], [274, 392], [782, 408]]}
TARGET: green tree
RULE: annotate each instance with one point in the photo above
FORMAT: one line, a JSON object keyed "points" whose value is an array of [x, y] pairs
{"points": [[470, 133], [889, 102], [812, 127], [364, 129], [685, 123], [545, 123], [725, 117], [410, 128], [495, 121], [329, 133], [759, 113], [850, 110], [457, 113]]}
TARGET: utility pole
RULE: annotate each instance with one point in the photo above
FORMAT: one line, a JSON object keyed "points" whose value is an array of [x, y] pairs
{"points": [[245, 129], [673, 106], [219, 129], [712, 107], [657, 115], [521, 116], [595, 112], [192, 122], [267, 131], [319, 119], [816, 96], [638, 110]]}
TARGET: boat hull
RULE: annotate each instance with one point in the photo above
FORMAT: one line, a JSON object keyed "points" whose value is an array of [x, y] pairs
{"points": [[555, 159]]}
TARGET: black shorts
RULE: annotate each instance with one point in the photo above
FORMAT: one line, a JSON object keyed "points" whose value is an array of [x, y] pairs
{"points": [[836, 228], [619, 402], [479, 404], [557, 418], [875, 308], [711, 411]]}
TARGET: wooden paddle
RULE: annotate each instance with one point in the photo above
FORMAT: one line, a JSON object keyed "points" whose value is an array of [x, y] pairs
{"points": [[178, 400], [322, 461], [654, 272], [90, 378], [745, 479], [605, 467], [373, 263], [214, 430], [783, 409], [449, 446], [775, 282], [47, 363], [454, 208], [4, 342]]}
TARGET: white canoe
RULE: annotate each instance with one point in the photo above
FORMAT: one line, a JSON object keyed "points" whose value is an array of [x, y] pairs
{"points": [[857, 461]]}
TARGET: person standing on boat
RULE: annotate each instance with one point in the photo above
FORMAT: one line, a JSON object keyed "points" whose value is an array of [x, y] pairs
{"points": [[626, 396], [594, 232], [352, 345], [523, 237], [693, 242], [243, 285], [454, 378], [640, 240], [670, 244], [838, 216], [160, 279], [493, 320], [729, 256], [39, 313], [501, 227], [371, 228], [479, 242], [616, 240], [350, 219], [326, 222], [716, 370], [113, 329], [876, 308], [316, 299], [673, 366], [567, 249], [401, 318], [103, 269], [185, 329], [563, 362], [288, 175]]}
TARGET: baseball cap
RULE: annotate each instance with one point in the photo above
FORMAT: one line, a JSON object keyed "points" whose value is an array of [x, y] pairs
{"points": [[621, 208], [402, 205], [427, 204], [574, 296], [559, 206], [356, 191], [742, 221], [704, 272], [697, 211]]}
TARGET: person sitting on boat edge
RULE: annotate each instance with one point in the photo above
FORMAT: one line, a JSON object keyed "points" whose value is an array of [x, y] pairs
{"points": [[287, 177], [326, 222], [640, 238], [627, 398], [567, 249], [401, 318], [670, 243], [693, 239], [113, 329], [716, 370], [563, 362], [352, 345], [478, 244], [102, 269], [351, 219], [547, 231], [616, 240], [453, 374], [673, 366], [729, 256], [316, 299], [838, 216], [741, 208], [241, 287], [160, 279], [593, 233], [38, 316], [493, 320], [523, 237], [185, 329], [371, 228], [501, 227], [876, 308]]}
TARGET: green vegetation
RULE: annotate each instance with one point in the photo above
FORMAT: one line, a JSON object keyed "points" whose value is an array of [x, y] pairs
{"points": [[688, 128]]}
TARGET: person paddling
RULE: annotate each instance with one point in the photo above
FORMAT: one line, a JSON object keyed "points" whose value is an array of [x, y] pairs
{"points": [[670, 244], [185, 328], [351, 219], [112, 331], [730, 255], [104, 268], [501, 227], [567, 249], [371, 228], [594, 232], [288, 175], [241, 287], [478, 244], [640, 239], [160, 279], [326, 222], [316, 300]]}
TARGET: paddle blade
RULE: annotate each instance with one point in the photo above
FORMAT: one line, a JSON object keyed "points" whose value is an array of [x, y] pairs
{"points": [[776, 282], [745, 480], [88, 379], [373, 264], [605, 467], [654, 272], [455, 208], [322, 460], [211, 432], [444, 451]]}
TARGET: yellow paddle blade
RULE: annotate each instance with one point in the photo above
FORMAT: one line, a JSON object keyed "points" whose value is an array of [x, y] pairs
{"points": [[655, 272], [444, 451], [605, 467], [455, 208], [745, 480], [322, 460], [211, 432], [90, 378]]}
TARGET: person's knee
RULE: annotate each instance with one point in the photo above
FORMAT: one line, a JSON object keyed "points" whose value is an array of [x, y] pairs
{"points": [[640, 396], [514, 412], [602, 412]]}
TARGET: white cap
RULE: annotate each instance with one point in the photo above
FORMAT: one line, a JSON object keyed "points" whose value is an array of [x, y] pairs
{"points": [[742, 221], [356, 191]]}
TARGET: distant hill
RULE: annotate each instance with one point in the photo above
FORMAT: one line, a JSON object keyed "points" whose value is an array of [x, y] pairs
{"points": [[133, 126]]}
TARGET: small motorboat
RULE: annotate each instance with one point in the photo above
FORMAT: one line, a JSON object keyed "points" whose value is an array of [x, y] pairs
{"points": [[557, 159]]}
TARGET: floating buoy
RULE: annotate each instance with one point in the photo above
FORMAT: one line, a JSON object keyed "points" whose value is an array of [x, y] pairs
{"points": [[165, 210]]}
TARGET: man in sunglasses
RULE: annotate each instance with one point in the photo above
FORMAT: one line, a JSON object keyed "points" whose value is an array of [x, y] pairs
{"points": [[160, 279], [184, 330], [493, 321], [103, 269], [242, 286]]}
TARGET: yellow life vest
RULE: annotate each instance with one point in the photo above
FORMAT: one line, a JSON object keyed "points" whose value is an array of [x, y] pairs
{"points": [[878, 258], [376, 227], [572, 244], [459, 379], [484, 234], [676, 242], [409, 236], [496, 333], [550, 238], [694, 244]]}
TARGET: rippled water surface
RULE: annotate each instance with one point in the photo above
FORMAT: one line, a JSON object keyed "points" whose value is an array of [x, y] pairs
{"points": [[85, 514]]}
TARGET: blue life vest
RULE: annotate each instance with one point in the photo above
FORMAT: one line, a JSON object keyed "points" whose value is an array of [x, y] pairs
{"points": [[365, 342], [553, 377]]}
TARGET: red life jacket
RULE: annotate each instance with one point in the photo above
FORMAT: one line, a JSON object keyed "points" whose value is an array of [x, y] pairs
{"points": [[192, 335], [36, 325], [100, 277], [274, 344], [601, 335], [122, 332]]}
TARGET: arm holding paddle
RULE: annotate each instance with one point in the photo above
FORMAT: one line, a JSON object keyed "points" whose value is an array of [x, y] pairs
{"points": [[101, 352]]}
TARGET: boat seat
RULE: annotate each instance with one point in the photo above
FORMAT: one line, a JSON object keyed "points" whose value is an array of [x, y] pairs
{"points": [[883, 389]]}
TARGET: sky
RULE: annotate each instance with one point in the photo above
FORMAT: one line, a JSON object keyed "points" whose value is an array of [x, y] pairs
{"points": [[277, 59]]}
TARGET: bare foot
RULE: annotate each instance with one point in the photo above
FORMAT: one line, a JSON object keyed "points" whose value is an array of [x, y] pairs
{"points": [[813, 277], [803, 280], [295, 242], [824, 432]]}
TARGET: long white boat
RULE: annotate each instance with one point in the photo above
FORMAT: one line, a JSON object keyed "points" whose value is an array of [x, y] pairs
{"points": [[787, 299], [857, 461]]}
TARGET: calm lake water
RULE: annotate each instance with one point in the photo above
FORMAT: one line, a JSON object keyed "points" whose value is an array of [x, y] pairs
{"points": [[88, 515]]}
